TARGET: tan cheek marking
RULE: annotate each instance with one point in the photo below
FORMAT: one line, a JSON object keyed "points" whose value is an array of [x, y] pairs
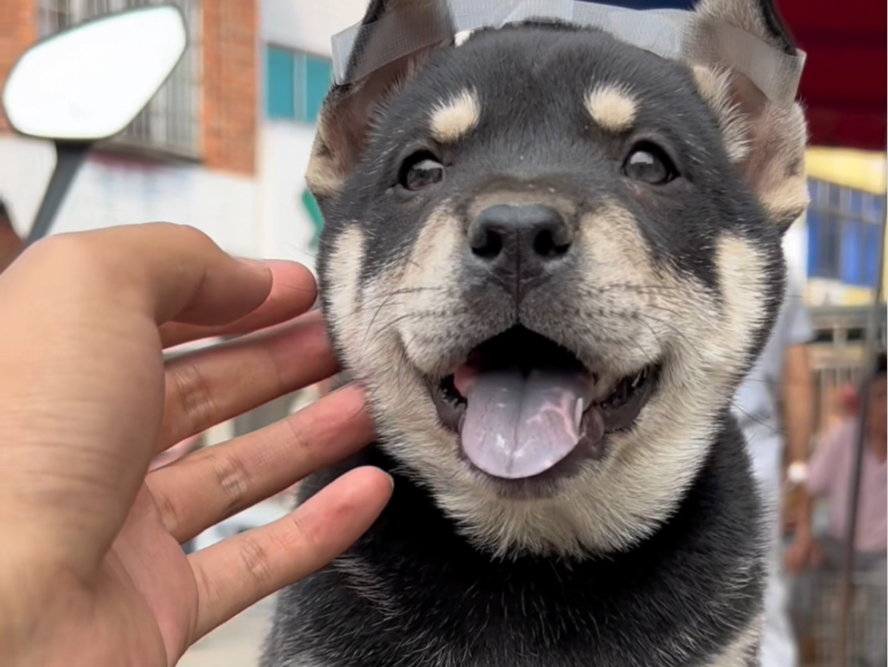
{"points": [[612, 108], [454, 119], [742, 275], [434, 252], [344, 268], [611, 237], [430, 280]]}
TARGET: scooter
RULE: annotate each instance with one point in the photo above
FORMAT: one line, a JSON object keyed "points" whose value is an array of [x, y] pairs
{"points": [[87, 84]]}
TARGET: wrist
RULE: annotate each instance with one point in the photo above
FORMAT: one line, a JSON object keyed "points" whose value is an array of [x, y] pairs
{"points": [[797, 473], [30, 596]]}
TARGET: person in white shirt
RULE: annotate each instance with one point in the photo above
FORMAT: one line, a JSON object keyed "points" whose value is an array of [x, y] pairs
{"points": [[782, 375]]}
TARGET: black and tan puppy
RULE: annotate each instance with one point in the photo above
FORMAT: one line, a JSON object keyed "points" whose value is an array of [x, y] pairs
{"points": [[550, 256]]}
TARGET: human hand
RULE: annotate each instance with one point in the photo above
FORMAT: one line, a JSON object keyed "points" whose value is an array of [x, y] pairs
{"points": [[804, 553], [91, 567]]}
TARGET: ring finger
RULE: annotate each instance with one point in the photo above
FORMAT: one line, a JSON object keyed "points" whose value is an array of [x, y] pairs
{"points": [[215, 483]]}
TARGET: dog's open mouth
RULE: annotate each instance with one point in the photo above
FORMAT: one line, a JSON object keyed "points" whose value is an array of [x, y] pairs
{"points": [[522, 404]]}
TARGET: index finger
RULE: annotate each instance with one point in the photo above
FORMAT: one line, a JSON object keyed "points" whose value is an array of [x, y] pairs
{"points": [[293, 292], [182, 275]]}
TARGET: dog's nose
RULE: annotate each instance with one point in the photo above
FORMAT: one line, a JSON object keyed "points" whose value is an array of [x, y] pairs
{"points": [[519, 242]]}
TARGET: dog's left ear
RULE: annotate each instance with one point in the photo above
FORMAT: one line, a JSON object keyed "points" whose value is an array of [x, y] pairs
{"points": [[765, 138], [373, 75]]}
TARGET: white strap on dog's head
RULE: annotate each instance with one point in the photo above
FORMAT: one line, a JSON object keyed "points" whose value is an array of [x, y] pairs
{"points": [[669, 33]]}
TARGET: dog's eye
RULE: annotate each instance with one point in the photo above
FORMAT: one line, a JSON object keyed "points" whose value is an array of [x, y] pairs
{"points": [[649, 163], [421, 170]]}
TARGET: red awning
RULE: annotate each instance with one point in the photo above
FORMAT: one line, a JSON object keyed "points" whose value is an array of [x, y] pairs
{"points": [[843, 86]]}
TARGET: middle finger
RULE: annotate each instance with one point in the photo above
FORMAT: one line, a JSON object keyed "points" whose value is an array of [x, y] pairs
{"points": [[213, 385]]}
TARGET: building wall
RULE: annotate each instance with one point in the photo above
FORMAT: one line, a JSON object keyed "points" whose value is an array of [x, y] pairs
{"points": [[247, 190], [230, 80], [218, 194], [114, 189], [18, 29], [288, 230]]}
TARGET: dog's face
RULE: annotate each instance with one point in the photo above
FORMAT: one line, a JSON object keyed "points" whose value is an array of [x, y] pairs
{"points": [[550, 257]]}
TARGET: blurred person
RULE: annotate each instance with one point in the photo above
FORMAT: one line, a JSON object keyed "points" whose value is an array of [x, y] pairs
{"points": [[10, 243], [848, 403], [782, 375], [91, 564], [830, 478]]}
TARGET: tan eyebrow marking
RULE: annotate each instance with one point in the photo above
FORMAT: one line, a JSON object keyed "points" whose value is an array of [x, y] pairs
{"points": [[611, 107], [453, 119]]}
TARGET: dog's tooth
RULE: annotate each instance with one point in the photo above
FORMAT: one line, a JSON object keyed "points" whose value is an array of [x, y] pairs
{"points": [[578, 413]]}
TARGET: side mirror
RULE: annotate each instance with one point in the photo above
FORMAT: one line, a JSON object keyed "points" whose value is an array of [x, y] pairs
{"points": [[87, 84], [90, 82]]}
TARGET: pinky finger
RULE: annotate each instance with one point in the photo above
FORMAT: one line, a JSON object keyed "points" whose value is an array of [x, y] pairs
{"points": [[239, 572]]}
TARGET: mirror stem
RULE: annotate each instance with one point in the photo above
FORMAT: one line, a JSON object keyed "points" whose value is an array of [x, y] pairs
{"points": [[69, 156]]}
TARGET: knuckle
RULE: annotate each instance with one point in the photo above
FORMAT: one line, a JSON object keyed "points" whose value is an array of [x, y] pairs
{"points": [[195, 398], [192, 236], [233, 477], [257, 560], [301, 533], [168, 510], [298, 431]]}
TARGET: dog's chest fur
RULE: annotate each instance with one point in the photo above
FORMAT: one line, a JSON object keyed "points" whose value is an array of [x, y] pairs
{"points": [[412, 592]]}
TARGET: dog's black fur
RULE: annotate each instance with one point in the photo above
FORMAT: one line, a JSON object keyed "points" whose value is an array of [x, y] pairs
{"points": [[669, 601], [424, 587]]}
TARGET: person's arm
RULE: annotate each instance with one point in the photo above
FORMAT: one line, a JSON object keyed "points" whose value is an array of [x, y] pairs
{"points": [[804, 550], [798, 402]]}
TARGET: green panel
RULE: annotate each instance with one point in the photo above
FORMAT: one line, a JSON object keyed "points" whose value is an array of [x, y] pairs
{"points": [[318, 78], [314, 212]]}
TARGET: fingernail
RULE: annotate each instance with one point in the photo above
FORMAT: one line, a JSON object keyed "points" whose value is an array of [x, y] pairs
{"points": [[391, 480]]}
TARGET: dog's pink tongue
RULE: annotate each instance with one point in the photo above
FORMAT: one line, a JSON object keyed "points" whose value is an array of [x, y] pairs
{"points": [[519, 425]]}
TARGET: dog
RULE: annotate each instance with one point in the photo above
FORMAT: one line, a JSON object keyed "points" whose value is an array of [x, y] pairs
{"points": [[550, 257]]}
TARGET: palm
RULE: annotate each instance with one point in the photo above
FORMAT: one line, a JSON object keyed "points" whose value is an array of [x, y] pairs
{"points": [[145, 595], [109, 582]]}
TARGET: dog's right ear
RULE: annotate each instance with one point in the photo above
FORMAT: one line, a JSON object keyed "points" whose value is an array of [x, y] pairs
{"points": [[371, 78], [765, 137]]}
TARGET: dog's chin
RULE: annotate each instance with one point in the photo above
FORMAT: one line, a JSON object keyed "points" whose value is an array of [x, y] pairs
{"points": [[507, 373]]}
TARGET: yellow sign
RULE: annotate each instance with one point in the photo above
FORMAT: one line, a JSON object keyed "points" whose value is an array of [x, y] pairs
{"points": [[860, 170]]}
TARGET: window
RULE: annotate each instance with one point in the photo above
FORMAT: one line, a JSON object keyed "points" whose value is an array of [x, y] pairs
{"points": [[281, 83], [296, 84], [844, 234], [172, 120]]}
